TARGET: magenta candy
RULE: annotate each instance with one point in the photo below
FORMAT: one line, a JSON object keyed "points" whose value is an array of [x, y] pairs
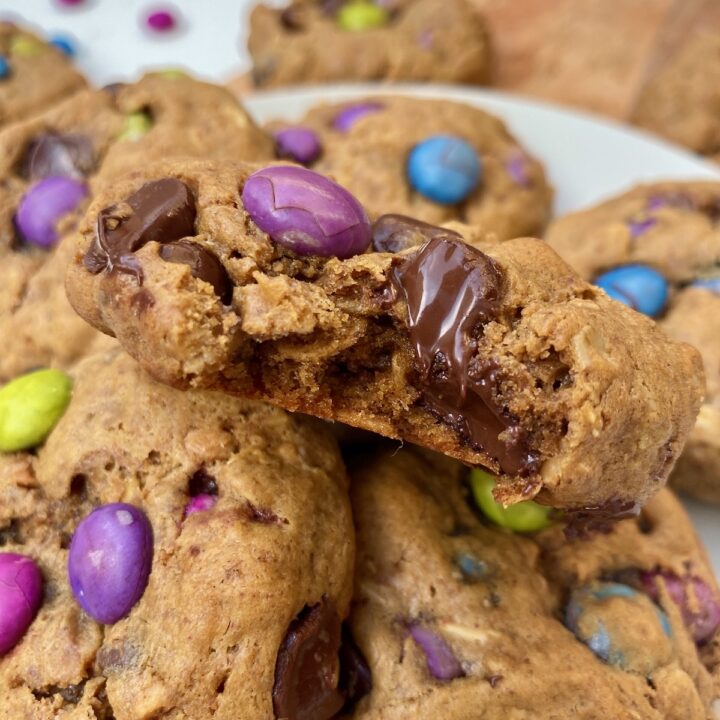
{"points": [[299, 144], [441, 661], [306, 212], [43, 205], [160, 21], [349, 115], [20, 595], [699, 606], [200, 503], [110, 560]]}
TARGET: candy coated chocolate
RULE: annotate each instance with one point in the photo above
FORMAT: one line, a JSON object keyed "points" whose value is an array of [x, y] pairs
{"points": [[4, 68], [21, 588], [360, 15], [53, 154], [639, 286], [299, 144], [441, 661], [349, 115]]}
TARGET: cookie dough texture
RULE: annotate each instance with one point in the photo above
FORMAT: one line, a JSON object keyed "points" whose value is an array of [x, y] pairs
{"points": [[513, 198], [679, 237], [602, 397], [504, 625], [423, 41], [39, 74], [681, 101], [225, 583], [188, 118]]}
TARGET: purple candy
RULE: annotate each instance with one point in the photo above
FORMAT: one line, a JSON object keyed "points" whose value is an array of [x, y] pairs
{"points": [[299, 144], [517, 165], [160, 21], [441, 662], [43, 205], [200, 503], [699, 606], [110, 560], [20, 595], [306, 212], [349, 115], [640, 227]]}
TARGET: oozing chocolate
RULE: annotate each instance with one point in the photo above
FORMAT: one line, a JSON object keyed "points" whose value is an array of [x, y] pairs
{"points": [[203, 265], [162, 211], [307, 666], [452, 290], [52, 154], [583, 522], [394, 233]]}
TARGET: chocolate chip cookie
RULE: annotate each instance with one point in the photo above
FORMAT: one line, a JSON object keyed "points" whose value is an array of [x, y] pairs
{"points": [[54, 162], [455, 618], [682, 100], [312, 41], [261, 283], [434, 160], [251, 570], [657, 248], [33, 74]]}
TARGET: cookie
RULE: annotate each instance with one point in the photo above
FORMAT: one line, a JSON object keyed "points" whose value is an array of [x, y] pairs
{"points": [[664, 238], [257, 282], [416, 40], [434, 160], [33, 74], [87, 140], [680, 101], [251, 565], [455, 618]]}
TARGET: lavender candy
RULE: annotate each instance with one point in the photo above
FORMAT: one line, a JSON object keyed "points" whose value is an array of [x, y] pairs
{"points": [[299, 144], [349, 115], [43, 205], [20, 596], [441, 661], [110, 560], [306, 212]]}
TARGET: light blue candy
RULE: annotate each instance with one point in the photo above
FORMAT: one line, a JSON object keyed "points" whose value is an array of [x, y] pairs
{"points": [[471, 567], [711, 284], [444, 169], [638, 286], [64, 44], [4, 68]]}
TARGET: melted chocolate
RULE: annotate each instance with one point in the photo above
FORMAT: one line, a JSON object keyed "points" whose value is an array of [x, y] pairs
{"points": [[452, 290], [203, 265], [163, 211], [584, 522], [394, 233], [307, 666], [53, 155]]}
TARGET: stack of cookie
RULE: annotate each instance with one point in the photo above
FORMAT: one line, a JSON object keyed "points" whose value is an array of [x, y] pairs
{"points": [[316, 435]]}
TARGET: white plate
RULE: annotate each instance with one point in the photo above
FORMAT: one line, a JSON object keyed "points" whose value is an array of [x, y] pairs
{"points": [[588, 158]]}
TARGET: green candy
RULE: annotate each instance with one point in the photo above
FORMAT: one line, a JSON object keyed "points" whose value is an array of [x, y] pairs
{"points": [[23, 46], [30, 405], [523, 517], [137, 124], [360, 15], [172, 73]]}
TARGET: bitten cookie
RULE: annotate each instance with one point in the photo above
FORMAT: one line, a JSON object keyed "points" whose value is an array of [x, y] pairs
{"points": [[435, 160], [455, 618], [52, 163], [682, 101], [33, 74], [250, 545], [258, 283], [316, 41], [657, 248]]}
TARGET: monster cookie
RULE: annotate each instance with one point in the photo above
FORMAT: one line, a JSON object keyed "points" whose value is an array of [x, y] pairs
{"points": [[33, 74], [53, 162], [455, 618], [682, 101], [435, 160], [257, 282], [318, 41], [657, 248], [170, 554]]}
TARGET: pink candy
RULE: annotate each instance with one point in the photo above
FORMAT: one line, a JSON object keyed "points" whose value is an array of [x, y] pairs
{"points": [[200, 503], [161, 21]]}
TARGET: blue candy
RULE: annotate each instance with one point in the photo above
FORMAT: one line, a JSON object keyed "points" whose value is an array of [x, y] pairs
{"points": [[638, 286], [444, 169], [472, 568], [64, 44], [711, 284], [4, 68]]}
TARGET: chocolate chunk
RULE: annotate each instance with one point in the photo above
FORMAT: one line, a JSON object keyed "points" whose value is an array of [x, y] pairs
{"points": [[355, 675], [452, 290], [394, 233], [307, 666], [161, 211], [203, 266], [58, 155], [584, 522], [202, 483]]}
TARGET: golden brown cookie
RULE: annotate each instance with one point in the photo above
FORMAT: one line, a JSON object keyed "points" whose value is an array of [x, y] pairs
{"points": [[497, 354], [241, 593]]}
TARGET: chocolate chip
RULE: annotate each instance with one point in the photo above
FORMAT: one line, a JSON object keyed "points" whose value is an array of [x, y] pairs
{"points": [[53, 154], [394, 233], [307, 666], [202, 483], [584, 522], [452, 290], [355, 675], [261, 515], [203, 266], [162, 211]]}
